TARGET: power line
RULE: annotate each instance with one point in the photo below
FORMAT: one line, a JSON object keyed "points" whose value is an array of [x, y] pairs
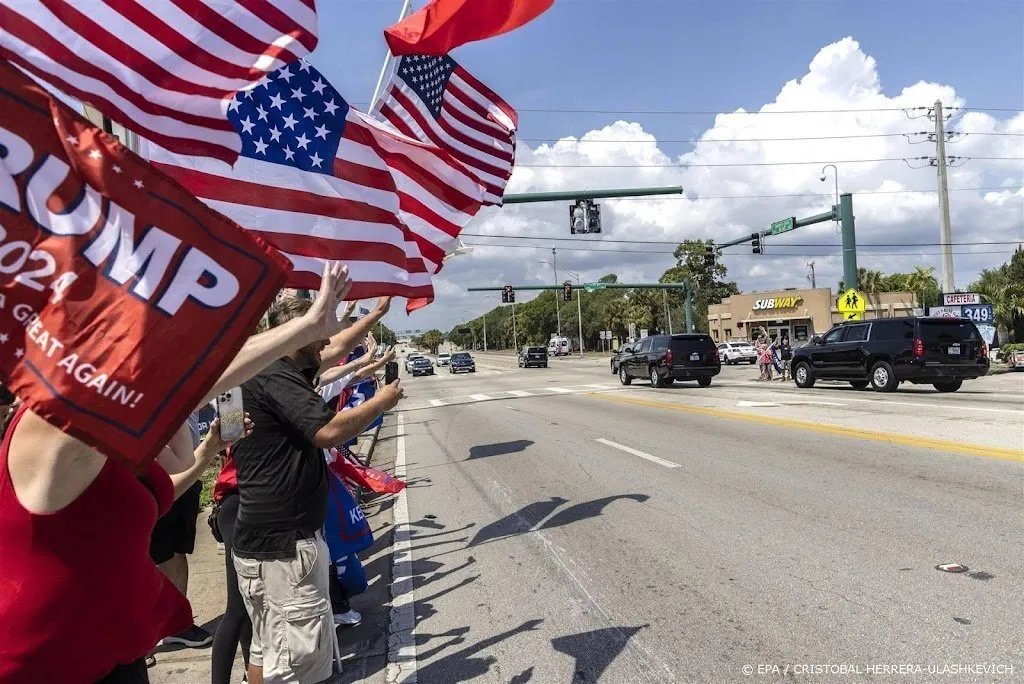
{"points": [[737, 140], [799, 194], [788, 244], [769, 255], [746, 164], [755, 112]]}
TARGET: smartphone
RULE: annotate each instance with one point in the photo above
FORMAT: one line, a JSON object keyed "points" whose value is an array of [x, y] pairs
{"points": [[232, 415], [390, 372]]}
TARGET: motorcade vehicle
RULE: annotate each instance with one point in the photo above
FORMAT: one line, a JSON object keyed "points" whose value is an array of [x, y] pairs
{"points": [[422, 366], [663, 359], [533, 356], [462, 362], [443, 358], [883, 353]]}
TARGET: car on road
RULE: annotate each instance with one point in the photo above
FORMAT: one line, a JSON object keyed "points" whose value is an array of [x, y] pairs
{"points": [[617, 355], [462, 361], [737, 352], [882, 353], [410, 359], [422, 366], [559, 346], [533, 356], [663, 359], [443, 359]]}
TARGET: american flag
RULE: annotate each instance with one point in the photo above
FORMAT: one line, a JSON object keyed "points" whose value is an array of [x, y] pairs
{"points": [[435, 100], [319, 180], [165, 69]]}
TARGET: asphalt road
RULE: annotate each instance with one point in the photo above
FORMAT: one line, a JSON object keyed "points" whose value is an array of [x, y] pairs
{"points": [[565, 529]]}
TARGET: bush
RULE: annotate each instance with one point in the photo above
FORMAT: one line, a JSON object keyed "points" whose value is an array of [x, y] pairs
{"points": [[1007, 349], [208, 478]]}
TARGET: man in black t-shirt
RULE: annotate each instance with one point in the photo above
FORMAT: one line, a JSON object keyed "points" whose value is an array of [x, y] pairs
{"points": [[279, 552]]}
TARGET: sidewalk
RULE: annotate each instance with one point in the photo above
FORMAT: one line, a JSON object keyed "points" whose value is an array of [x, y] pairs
{"points": [[363, 647]]}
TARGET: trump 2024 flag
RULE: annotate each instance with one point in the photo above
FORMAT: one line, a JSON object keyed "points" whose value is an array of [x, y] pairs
{"points": [[122, 297]]}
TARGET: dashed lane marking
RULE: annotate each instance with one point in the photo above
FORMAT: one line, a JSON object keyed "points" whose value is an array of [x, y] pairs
{"points": [[637, 452]]}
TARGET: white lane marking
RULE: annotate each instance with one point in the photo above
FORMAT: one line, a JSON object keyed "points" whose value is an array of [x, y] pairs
{"points": [[558, 390], [636, 452], [436, 402], [402, 633], [788, 403], [600, 386], [519, 393], [479, 397], [511, 408]]}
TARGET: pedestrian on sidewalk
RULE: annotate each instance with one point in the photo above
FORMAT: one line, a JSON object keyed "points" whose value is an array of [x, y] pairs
{"points": [[75, 529], [279, 550], [235, 627]]}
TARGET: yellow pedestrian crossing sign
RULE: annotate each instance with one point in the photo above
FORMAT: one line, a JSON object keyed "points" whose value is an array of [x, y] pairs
{"points": [[852, 305]]}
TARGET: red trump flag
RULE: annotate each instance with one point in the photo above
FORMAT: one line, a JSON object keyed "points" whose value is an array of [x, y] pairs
{"points": [[443, 25], [122, 296]]}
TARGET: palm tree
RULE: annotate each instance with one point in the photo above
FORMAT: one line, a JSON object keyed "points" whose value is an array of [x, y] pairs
{"points": [[924, 284]]}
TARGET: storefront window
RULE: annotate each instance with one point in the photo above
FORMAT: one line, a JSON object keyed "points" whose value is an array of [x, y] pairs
{"points": [[800, 332], [728, 333]]}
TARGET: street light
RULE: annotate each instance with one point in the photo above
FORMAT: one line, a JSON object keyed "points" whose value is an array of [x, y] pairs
{"points": [[459, 250], [554, 269], [579, 305], [823, 178]]}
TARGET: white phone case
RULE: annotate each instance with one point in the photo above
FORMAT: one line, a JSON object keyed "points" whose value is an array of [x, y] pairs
{"points": [[232, 415]]}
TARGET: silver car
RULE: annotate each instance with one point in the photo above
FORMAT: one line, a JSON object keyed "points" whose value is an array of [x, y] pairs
{"points": [[737, 352]]}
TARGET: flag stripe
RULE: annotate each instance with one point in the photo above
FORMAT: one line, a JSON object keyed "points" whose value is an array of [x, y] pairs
{"points": [[479, 129], [284, 22], [424, 128], [487, 98], [238, 191]]}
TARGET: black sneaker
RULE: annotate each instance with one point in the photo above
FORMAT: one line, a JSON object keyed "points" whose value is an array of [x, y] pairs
{"points": [[193, 637]]}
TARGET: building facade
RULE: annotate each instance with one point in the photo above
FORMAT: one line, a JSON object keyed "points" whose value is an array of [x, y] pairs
{"points": [[796, 314]]}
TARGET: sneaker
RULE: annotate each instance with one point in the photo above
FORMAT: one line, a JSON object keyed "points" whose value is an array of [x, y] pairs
{"points": [[220, 548], [193, 637], [150, 660], [351, 618]]}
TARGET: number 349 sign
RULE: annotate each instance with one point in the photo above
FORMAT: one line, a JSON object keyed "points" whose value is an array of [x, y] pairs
{"points": [[979, 313]]}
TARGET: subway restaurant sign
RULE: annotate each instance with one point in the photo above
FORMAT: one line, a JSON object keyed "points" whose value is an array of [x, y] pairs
{"points": [[777, 303]]}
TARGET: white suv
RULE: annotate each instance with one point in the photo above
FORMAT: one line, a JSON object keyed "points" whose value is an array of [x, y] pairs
{"points": [[443, 359], [737, 352]]}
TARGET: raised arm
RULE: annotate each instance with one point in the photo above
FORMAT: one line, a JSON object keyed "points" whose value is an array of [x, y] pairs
{"points": [[320, 322], [348, 339], [349, 423]]}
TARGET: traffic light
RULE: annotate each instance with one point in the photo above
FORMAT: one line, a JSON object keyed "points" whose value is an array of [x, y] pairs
{"points": [[578, 217], [709, 255], [755, 243], [584, 217], [567, 291], [508, 295], [593, 217]]}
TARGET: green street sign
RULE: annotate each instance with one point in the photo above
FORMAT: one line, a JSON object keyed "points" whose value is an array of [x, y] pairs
{"points": [[784, 226], [593, 287]]}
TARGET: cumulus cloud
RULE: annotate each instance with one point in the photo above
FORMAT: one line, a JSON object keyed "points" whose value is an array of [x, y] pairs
{"points": [[745, 156]]}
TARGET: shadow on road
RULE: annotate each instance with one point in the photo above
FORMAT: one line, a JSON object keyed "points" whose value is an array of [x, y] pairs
{"points": [[529, 516], [595, 651], [464, 664], [498, 449]]}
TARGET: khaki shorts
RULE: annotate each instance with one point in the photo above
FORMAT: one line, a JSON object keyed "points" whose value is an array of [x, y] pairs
{"points": [[289, 604]]}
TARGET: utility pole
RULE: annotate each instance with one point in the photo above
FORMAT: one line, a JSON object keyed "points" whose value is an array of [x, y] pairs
{"points": [[810, 276], [945, 236], [515, 335], [554, 269], [668, 314], [485, 333]]}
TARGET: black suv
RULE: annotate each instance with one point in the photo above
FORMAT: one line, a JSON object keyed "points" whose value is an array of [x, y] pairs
{"points": [[533, 356], [883, 353], [667, 358]]}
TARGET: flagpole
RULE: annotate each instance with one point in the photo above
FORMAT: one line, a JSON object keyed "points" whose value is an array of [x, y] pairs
{"points": [[387, 59]]}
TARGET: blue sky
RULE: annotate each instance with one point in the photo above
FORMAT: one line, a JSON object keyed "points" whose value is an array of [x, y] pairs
{"points": [[696, 55], [619, 56]]}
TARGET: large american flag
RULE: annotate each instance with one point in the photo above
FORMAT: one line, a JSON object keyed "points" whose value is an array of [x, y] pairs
{"points": [[165, 69], [319, 180], [435, 100]]}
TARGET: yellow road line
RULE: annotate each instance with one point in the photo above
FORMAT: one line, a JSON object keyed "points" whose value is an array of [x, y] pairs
{"points": [[856, 433]]}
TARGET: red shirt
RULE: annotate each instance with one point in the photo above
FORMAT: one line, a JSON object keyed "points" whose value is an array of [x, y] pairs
{"points": [[79, 593], [227, 479]]}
